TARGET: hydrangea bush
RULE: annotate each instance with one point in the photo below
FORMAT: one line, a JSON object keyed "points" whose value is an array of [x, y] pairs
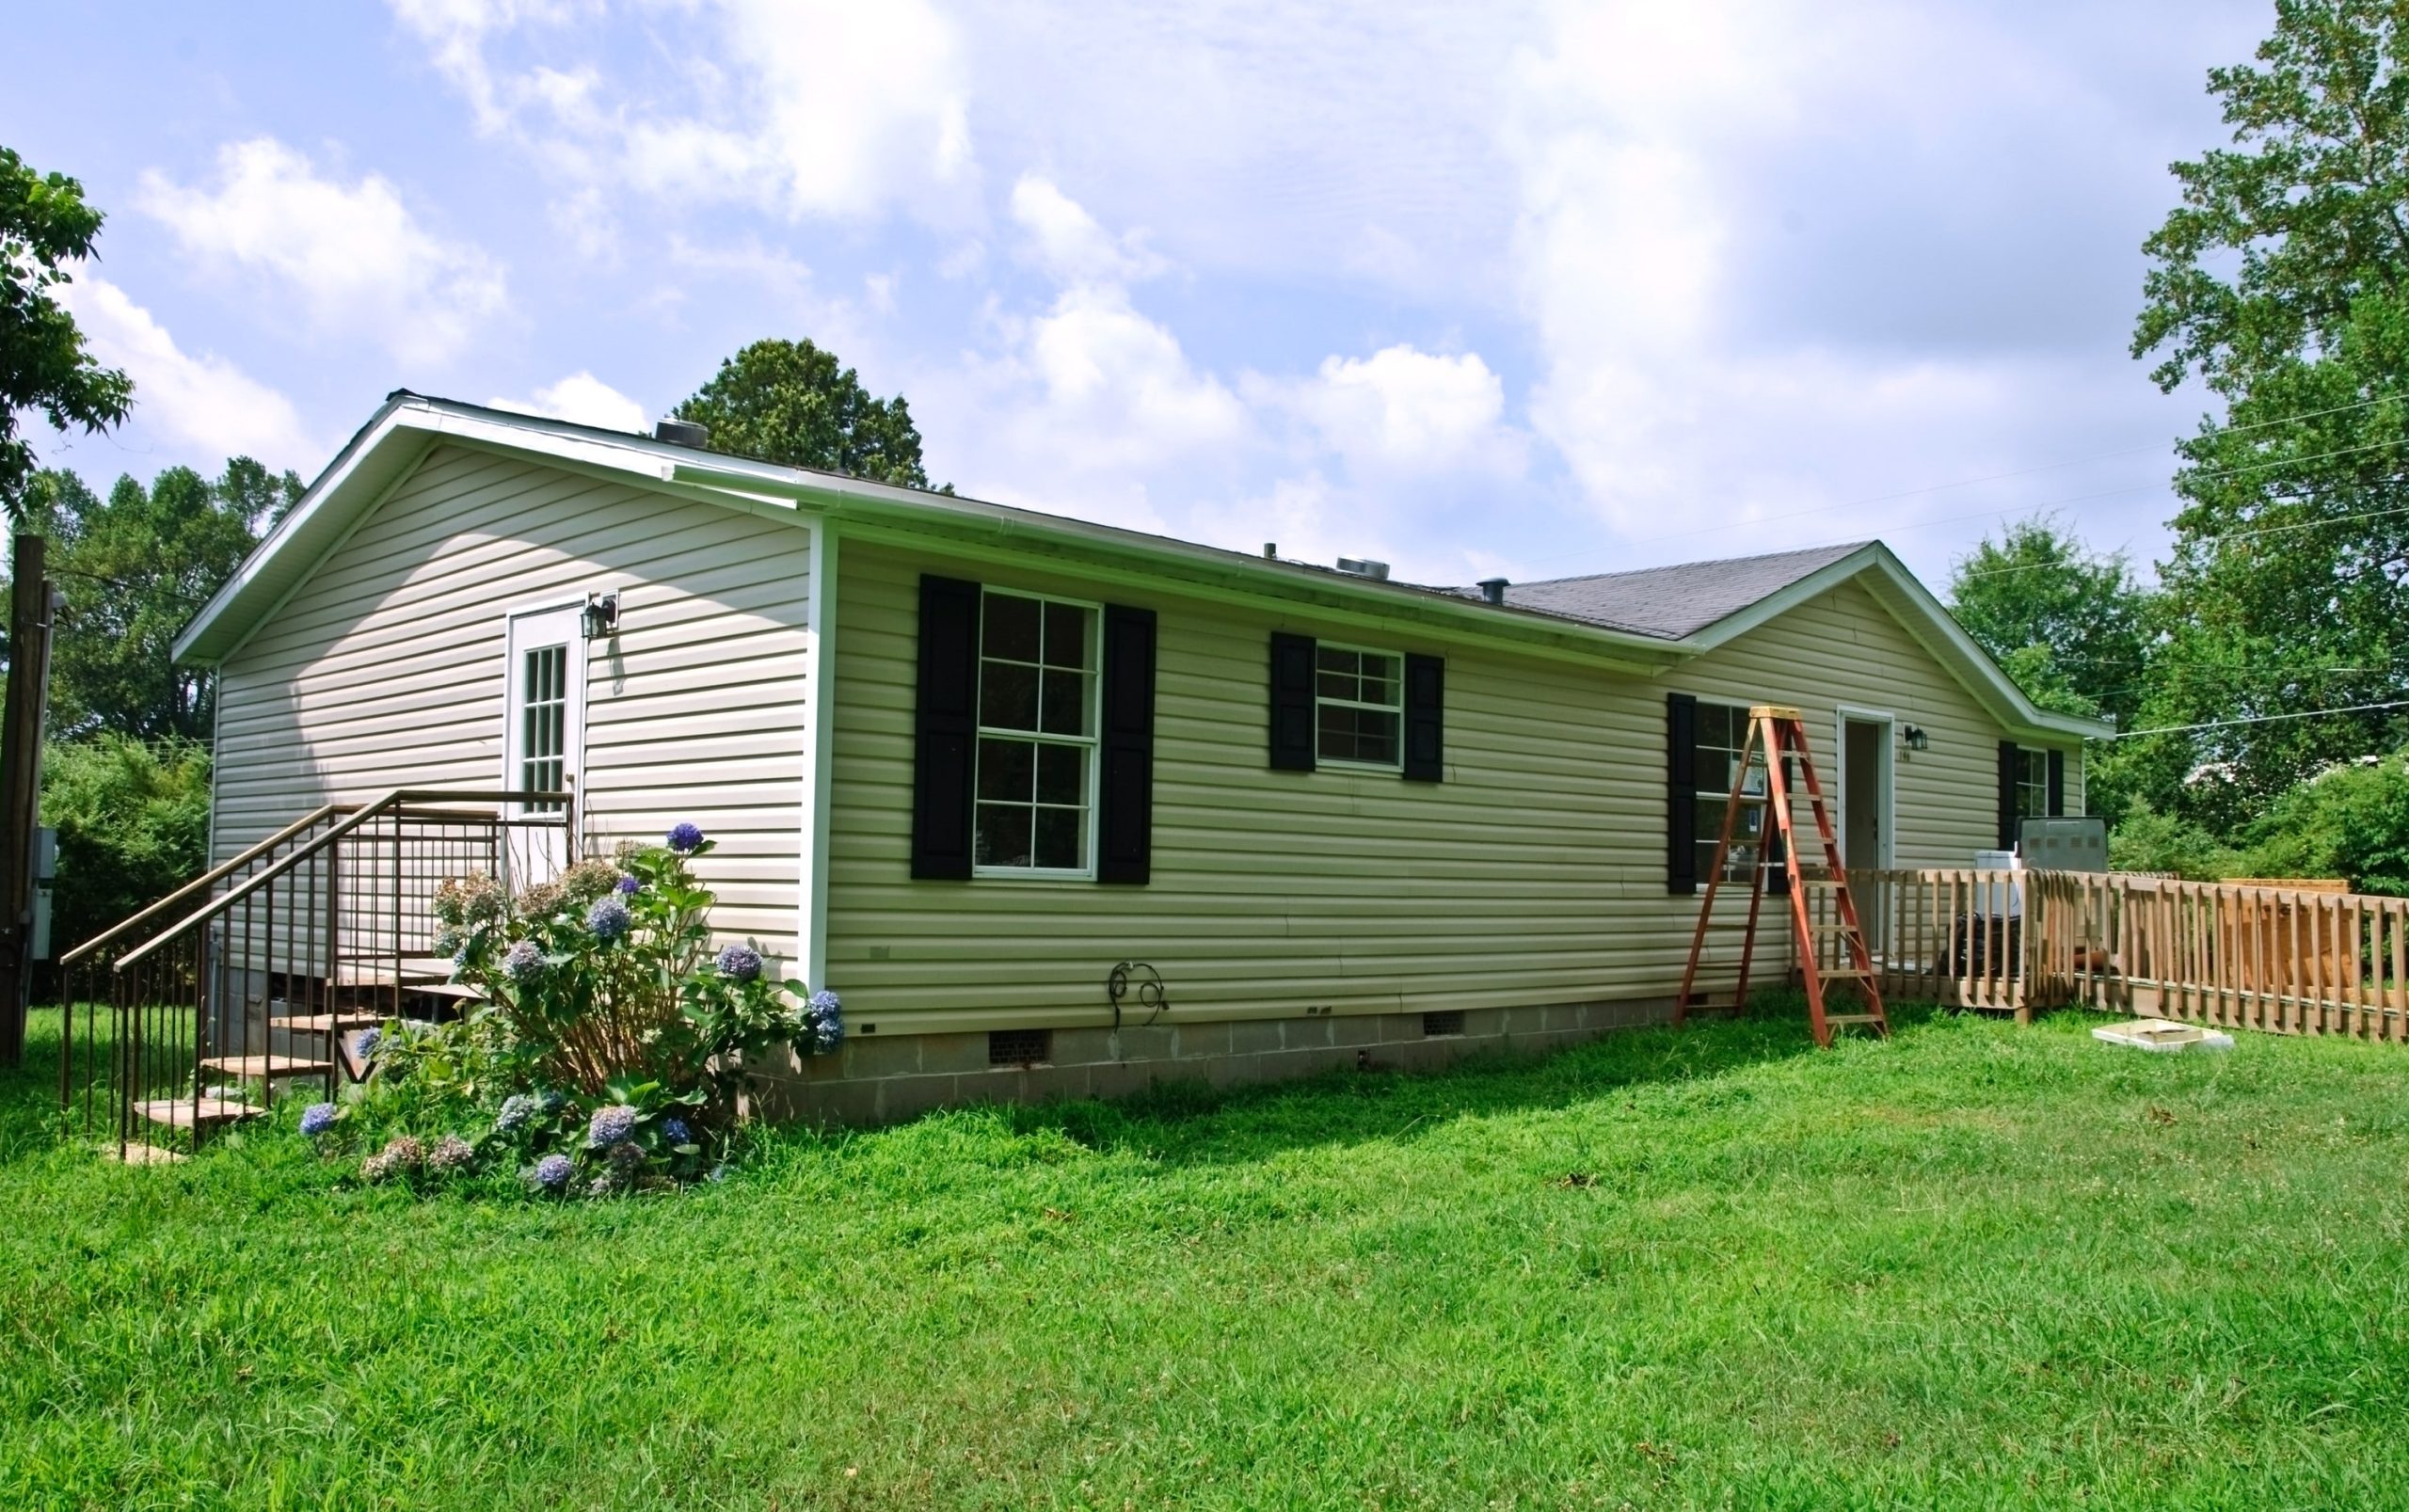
{"points": [[612, 1046]]}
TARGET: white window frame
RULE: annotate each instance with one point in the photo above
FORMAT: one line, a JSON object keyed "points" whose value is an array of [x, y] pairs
{"points": [[1092, 741], [2031, 758], [1351, 763], [1704, 838]]}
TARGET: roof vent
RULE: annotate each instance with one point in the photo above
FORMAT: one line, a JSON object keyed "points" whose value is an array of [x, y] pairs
{"points": [[1494, 589], [680, 432], [1360, 568]]}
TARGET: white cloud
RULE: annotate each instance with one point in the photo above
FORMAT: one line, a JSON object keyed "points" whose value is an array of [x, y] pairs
{"points": [[204, 402], [1067, 243], [583, 398], [800, 107], [1406, 411], [352, 256]]}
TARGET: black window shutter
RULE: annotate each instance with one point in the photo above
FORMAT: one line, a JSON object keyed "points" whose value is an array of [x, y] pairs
{"points": [[945, 728], [1426, 745], [1681, 793], [2007, 775], [1292, 702], [1125, 849], [2057, 783]]}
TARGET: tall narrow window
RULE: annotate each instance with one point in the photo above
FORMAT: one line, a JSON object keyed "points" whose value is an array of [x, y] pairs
{"points": [[2031, 783], [1358, 705], [543, 728], [1037, 735], [1722, 733]]}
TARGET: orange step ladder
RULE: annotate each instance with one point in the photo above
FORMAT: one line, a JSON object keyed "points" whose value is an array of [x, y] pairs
{"points": [[1776, 739]]}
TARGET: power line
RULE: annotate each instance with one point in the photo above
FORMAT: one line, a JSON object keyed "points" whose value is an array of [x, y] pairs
{"points": [[2254, 719], [2220, 538]]}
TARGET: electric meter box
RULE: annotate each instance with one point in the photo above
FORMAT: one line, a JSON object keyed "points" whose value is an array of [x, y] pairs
{"points": [[2074, 843]]}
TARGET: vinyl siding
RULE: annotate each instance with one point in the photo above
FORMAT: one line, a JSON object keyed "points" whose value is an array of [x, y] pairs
{"points": [[384, 669], [1535, 873]]}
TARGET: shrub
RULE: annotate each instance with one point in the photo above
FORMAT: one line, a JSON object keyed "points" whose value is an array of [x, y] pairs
{"points": [[2349, 821], [2147, 840], [133, 821], [612, 1045]]}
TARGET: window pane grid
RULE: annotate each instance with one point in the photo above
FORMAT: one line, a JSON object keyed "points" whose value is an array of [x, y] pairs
{"points": [[1722, 732], [543, 724], [1358, 705], [1037, 715]]}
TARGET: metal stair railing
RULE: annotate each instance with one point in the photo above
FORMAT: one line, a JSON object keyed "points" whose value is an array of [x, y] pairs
{"points": [[314, 934]]}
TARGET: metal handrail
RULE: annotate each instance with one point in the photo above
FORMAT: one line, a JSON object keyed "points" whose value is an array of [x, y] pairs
{"points": [[391, 800], [206, 879]]}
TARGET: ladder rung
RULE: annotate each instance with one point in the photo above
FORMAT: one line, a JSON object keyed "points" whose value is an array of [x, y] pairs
{"points": [[1844, 971], [1853, 1018]]}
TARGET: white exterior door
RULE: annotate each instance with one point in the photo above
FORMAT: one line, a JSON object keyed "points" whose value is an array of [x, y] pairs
{"points": [[545, 736]]}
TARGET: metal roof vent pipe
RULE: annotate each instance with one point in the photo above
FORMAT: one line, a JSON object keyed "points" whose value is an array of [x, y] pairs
{"points": [[1361, 567], [1494, 589], [680, 432]]}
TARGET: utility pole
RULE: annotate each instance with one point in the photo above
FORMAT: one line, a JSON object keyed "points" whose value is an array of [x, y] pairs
{"points": [[27, 708]]}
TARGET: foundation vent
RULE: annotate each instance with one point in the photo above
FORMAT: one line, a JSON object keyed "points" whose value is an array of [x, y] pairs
{"points": [[1436, 1024], [1024, 1048]]}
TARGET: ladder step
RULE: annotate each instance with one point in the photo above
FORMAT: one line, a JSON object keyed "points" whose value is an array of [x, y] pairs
{"points": [[1846, 971], [267, 1068], [1854, 1018]]}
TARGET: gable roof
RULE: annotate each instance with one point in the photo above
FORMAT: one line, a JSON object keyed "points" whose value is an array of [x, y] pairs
{"points": [[1672, 601], [1645, 621]]}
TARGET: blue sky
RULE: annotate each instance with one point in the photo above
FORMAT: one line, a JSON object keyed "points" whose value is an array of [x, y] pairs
{"points": [[1527, 290]]}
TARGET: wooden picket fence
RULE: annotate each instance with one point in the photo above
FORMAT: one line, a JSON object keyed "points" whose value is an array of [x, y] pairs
{"points": [[2294, 957]]}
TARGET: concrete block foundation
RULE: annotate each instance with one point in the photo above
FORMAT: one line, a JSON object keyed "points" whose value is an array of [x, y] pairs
{"points": [[886, 1078]]}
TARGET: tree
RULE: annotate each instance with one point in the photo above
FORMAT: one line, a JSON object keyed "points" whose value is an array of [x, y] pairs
{"points": [[2279, 281], [133, 568], [2066, 622], [43, 366], [793, 403], [133, 821]]}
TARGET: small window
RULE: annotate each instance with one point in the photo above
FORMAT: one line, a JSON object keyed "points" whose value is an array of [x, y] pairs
{"points": [[2032, 784], [543, 730], [1037, 735], [1359, 707]]}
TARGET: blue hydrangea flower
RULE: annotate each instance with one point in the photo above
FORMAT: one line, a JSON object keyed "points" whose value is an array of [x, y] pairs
{"points": [[825, 1014], [675, 1131], [740, 963], [552, 1172], [515, 1110], [522, 960], [608, 919], [685, 838], [365, 1046], [317, 1118], [612, 1125], [630, 886]]}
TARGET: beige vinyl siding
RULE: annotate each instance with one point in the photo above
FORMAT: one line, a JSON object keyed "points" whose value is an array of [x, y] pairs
{"points": [[385, 668], [1534, 874]]}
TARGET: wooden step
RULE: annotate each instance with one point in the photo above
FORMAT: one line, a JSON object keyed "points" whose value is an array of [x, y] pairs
{"points": [[1830, 1019], [328, 1023], [184, 1112], [267, 1068], [1846, 971], [377, 971]]}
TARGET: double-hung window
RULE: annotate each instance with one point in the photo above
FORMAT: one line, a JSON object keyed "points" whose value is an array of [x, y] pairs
{"points": [[2032, 784], [1359, 707], [1037, 736], [1722, 735]]}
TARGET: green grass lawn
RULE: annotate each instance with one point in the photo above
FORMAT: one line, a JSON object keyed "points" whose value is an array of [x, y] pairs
{"points": [[1976, 1265]]}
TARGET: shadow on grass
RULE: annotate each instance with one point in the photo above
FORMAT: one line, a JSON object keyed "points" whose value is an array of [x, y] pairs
{"points": [[1187, 1121]]}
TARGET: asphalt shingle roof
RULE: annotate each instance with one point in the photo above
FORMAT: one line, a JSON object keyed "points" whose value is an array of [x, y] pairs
{"points": [[1674, 601]]}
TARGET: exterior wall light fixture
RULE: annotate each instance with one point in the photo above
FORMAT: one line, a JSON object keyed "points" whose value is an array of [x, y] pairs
{"points": [[1916, 740], [600, 616]]}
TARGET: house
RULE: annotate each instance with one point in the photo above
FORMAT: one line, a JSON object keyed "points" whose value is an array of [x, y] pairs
{"points": [[964, 761]]}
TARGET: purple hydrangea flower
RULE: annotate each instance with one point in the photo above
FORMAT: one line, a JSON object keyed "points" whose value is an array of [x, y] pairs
{"points": [[365, 1046], [515, 1110], [522, 960], [612, 1125], [629, 886], [685, 838], [317, 1118], [825, 1013], [740, 963], [608, 919], [675, 1131], [552, 1172]]}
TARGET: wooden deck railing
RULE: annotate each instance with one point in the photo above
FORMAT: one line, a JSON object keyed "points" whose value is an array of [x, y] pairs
{"points": [[2286, 959]]}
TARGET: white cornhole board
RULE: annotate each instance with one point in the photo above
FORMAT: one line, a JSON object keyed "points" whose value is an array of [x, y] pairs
{"points": [[2162, 1036]]}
